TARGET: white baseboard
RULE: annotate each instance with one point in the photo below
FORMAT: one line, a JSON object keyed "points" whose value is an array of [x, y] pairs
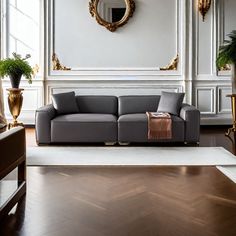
{"points": [[216, 120]]}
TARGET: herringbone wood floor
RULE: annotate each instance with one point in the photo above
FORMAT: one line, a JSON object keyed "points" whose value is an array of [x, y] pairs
{"points": [[165, 201]]}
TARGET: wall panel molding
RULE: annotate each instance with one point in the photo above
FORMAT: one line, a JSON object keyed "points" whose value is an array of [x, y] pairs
{"points": [[204, 48], [224, 106], [117, 89], [205, 100], [136, 71]]}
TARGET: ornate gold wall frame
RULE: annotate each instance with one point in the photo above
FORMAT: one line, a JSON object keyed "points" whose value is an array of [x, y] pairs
{"points": [[56, 64], [173, 65], [112, 26], [203, 7]]}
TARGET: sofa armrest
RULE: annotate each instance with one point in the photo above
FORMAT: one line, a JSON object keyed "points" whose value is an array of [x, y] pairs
{"points": [[191, 116], [43, 118]]}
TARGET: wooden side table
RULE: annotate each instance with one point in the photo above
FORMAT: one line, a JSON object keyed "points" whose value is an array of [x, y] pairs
{"points": [[15, 100], [13, 155]]}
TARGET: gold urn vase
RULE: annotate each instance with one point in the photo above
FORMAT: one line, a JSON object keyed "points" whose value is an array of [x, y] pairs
{"points": [[15, 100]]}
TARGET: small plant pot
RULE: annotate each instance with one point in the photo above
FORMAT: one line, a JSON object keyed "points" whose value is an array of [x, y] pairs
{"points": [[15, 80]]}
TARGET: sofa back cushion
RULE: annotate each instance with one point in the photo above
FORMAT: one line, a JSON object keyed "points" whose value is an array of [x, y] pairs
{"points": [[97, 104], [170, 103], [65, 103], [138, 104]]}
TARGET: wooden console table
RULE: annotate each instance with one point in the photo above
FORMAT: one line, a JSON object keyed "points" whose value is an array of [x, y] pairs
{"points": [[13, 155]]}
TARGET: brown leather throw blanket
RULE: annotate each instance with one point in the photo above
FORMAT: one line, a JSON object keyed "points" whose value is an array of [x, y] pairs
{"points": [[159, 125]]}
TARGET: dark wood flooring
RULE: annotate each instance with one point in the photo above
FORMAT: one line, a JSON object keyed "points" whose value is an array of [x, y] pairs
{"points": [[128, 201], [214, 136]]}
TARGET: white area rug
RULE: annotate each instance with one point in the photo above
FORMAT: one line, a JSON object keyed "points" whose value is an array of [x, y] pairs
{"points": [[229, 171], [131, 156]]}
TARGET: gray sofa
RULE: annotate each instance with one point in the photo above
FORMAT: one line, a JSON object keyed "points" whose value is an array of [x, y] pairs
{"points": [[112, 119]]}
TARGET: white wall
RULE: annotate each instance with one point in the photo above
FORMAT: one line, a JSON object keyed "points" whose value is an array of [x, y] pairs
{"points": [[144, 42], [127, 61]]}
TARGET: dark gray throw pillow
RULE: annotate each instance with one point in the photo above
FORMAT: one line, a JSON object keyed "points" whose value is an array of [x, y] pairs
{"points": [[65, 103], [170, 103]]}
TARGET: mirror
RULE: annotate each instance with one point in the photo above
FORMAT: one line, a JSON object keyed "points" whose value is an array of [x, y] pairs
{"points": [[112, 13]]}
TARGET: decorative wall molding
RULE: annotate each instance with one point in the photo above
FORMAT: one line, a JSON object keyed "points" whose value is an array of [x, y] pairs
{"points": [[224, 106], [211, 94], [136, 71], [57, 64], [198, 25], [210, 87], [117, 89], [173, 65], [205, 100], [203, 7]]}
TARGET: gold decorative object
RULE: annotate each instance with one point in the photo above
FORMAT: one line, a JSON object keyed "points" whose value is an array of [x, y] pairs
{"points": [[35, 69], [233, 105], [227, 67], [203, 7], [112, 26], [57, 64], [173, 65], [15, 100]]}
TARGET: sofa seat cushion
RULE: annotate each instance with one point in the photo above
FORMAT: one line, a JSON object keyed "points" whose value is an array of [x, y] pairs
{"points": [[84, 127], [87, 117], [134, 128], [139, 117]]}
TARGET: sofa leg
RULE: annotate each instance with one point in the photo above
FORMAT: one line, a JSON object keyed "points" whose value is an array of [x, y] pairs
{"points": [[110, 143], [42, 144], [124, 143], [194, 144]]}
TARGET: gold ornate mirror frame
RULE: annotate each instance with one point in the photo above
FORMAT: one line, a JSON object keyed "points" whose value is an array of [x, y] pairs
{"points": [[130, 8]]}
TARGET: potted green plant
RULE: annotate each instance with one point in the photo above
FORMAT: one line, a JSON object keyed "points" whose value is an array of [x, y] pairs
{"points": [[15, 68], [227, 56]]}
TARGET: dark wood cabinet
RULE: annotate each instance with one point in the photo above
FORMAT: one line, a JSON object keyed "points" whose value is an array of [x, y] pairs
{"points": [[12, 156]]}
